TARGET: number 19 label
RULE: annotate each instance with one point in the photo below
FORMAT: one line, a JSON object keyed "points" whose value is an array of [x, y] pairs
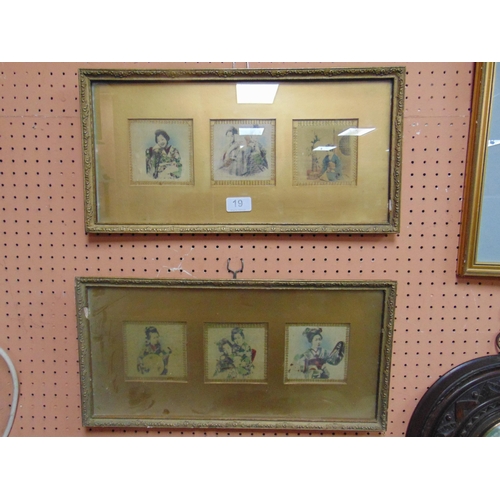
{"points": [[242, 204]]}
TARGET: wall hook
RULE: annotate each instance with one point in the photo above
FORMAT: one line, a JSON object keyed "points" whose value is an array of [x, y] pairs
{"points": [[234, 272]]}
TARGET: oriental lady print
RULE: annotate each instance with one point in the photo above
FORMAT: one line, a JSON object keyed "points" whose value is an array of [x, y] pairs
{"points": [[155, 351], [235, 353], [316, 354], [243, 152], [325, 152], [161, 151]]}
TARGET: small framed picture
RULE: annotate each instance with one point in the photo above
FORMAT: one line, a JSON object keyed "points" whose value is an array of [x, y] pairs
{"points": [[325, 152], [316, 354], [235, 352], [155, 351], [161, 151], [242, 152]]}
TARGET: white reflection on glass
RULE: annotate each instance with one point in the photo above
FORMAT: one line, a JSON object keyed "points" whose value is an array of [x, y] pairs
{"points": [[256, 93], [328, 147], [250, 130], [356, 131]]}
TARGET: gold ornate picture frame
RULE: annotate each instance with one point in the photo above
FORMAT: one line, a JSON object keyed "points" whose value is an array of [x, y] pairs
{"points": [[235, 354], [479, 251], [179, 151]]}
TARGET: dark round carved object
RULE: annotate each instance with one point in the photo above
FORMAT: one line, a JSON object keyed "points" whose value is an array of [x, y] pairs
{"points": [[464, 402]]}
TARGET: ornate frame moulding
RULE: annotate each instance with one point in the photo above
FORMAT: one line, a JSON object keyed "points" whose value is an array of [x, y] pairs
{"points": [[323, 156], [235, 354]]}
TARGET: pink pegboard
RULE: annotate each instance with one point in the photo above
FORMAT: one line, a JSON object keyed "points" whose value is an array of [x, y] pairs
{"points": [[441, 320]]}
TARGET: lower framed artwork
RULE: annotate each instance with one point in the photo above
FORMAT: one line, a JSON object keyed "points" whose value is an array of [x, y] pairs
{"points": [[235, 354]]}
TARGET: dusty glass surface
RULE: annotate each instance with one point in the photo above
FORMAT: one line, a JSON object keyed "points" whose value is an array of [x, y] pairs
{"points": [[255, 391], [357, 115]]}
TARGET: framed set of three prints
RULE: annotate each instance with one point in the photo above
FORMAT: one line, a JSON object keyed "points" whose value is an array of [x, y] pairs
{"points": [[314, 150], [247, 151]]}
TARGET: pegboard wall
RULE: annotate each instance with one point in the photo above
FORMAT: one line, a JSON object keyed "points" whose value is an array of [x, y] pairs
{"points": [[441, 320]]}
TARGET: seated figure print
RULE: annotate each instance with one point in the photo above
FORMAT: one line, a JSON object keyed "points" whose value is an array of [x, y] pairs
{"points": [[236, 357], [332, 168], [153, 358], [312, 364], [163, 161], [243, 155]]}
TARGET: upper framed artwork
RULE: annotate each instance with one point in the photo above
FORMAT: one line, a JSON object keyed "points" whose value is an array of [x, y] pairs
{"points": [[235, 354], [271, 151], [479, 253]]}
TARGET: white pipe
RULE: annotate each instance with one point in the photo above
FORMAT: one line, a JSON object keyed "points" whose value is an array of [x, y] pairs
{"points": [[15, 396]]}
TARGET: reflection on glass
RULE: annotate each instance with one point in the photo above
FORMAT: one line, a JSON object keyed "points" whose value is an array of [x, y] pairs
{"points": [[356, 131], [255, 130], [493, 431], [256, 93]]}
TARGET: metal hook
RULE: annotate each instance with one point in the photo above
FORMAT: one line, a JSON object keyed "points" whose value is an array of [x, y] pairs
{"points": [[234, 272]]}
